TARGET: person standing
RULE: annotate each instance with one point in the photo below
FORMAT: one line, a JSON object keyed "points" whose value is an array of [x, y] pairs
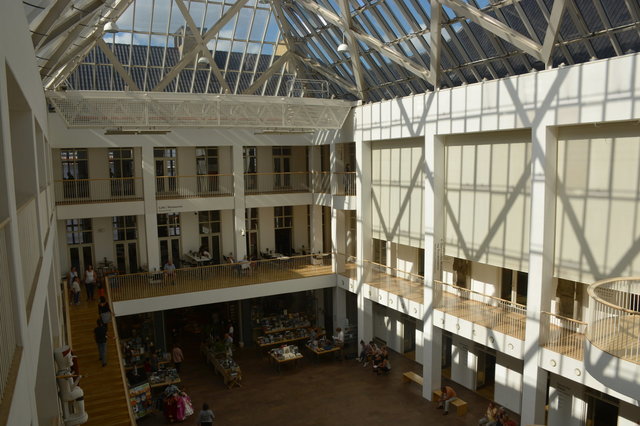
{"points": [[206, 416], [170, 271], [177, 357], [100, 335], [75, 290], [73, 273], [89, 281]]}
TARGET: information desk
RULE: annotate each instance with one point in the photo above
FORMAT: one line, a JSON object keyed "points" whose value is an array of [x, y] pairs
{"points": [[321, 351], [279, 361]]}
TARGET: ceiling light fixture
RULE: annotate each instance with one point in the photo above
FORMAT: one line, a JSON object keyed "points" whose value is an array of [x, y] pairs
{"points": [[343, 47], [111, 28], [202, 61]]}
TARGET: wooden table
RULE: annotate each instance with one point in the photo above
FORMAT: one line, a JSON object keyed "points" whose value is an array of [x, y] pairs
{"points": [[278, 362], [319, 351], [165, 384]]}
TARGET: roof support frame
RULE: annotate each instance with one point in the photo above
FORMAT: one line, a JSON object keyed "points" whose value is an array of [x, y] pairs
{"points": [[552, 30], [495, 26], [369, 40], [117, 65], [607, 24], [322, 69], [46, 19], [354, 49], [201, 45], [226, 17], [275, 66], [71, 22]]}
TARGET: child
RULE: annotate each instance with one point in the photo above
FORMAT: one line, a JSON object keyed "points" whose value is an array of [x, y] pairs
{"points": [[75, 290]]}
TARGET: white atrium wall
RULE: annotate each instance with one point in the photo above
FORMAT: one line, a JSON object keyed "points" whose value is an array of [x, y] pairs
{"points": [[492, 152], [30, 309]]}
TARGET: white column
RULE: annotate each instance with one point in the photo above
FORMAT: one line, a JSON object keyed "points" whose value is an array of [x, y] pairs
{"points": [[434, 231], [567, 404], [239, 203], [339, 308], [150, 208], [338, 239], [315, 245], [541, 254], [363, 233]]}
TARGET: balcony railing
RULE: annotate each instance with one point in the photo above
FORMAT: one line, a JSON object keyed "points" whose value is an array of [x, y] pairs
{"points": [[9, 346], [346, 183], [614, 324], [347, 265], [321, 182], [274, 183], [80, 191], [563, 335], [500, 315], [173, 187], [395, 281], [188, 280]]}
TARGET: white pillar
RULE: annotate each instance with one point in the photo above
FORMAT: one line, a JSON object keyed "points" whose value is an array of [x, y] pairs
{"points": [[567, 404], [239, 235], [339, 308], [434, 231], [150, 208], [365, 318], [338, 239], [541, 254], [315, 245], [363, 233]]}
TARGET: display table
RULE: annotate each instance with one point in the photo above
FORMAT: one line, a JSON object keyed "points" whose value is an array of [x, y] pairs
{"points": [[164, 378], [279, 361], [229, 370], [322, 351], [285, 355], [140, 400]]}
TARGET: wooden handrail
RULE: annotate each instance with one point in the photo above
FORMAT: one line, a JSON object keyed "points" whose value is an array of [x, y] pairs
{"points": [[276, 173], [564, 318], [481, 294], [393, 269], [97, 179], [26, 203], [116, 336], [592, 293], [5, 222], [195, 176]]}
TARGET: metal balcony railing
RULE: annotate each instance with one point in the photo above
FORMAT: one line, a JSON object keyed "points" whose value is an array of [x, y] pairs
{"points": [[395, 281], [346, 183], [200, 186], [80, 191], [203, 278], [498, 314], [563, 335], [321, 182], [274, 183], [614, 323]]}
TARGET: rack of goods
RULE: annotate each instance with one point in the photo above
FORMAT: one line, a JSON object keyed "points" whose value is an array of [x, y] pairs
{"points": [[140, 400], [163, 378], [286, 328], [222, 363]]}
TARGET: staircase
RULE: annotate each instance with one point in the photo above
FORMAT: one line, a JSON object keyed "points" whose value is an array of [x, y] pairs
{"points": [[104, 393]]}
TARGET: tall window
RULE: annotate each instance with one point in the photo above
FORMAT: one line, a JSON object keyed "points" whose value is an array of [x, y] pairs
{"points": [[75, 171], [121, 171], [282, 166], [251, 227], [80, 243], [166, 169], [125, 236], [207, 169], [283, 223], [169, 236], [250, 156], [209, 228]]}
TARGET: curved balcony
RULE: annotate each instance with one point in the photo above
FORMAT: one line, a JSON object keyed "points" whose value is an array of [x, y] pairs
{"points": [[613, 335]]}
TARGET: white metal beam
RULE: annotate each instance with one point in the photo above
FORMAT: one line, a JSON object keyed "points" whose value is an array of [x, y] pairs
{"points": [[494, 26], [552, 30], [226, 17], [324, 70], [354, 50], [374, 43], [41, 26], [117, 65], [70, 23], [202, 45], [268, 73], [435, 42]]}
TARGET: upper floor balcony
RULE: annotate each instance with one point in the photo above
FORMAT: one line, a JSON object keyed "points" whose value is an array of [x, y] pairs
{"points": [[612, 350], [83, 191], [395, 281], [200, 186], [563, 335], [493, 313], [276, 183], [345, 183], [216, 277]]}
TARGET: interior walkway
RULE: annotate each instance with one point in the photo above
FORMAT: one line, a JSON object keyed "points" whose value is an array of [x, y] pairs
{"points": [[104, 395], [322, 393]]}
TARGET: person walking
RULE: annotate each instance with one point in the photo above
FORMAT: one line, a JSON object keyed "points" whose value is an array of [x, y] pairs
{"points": [[177, 357], [104, 311], [100, 335], [206, 416], [89, 281], [75, 290]]}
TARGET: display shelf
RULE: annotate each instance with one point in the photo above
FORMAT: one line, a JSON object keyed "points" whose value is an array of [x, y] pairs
{"points": [[140, 400]]}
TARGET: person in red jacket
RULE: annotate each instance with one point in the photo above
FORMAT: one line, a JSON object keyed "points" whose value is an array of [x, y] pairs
{"points": [[447, 397]]}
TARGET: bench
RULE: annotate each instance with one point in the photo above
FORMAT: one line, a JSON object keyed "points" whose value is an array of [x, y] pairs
{"points": [[410, 376], [459, 404]]}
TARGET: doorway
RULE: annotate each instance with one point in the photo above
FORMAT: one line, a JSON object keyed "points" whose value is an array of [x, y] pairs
{"points": [[486, 374], [283, 241], [602, 410], [166, 169], [409, 337]]}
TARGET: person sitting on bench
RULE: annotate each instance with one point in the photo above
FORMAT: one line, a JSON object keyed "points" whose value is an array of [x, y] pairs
{"points": [[448, 396]]}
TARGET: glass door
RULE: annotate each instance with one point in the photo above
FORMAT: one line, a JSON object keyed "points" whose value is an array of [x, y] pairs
{"points": [[121, 172], [75, 173], [166, 170], [207, 169], [250, 157], [282, 167], [169, 236]]}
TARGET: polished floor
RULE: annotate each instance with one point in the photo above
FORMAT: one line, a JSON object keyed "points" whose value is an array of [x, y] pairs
{"points": [[104, 395], [324, 392]]}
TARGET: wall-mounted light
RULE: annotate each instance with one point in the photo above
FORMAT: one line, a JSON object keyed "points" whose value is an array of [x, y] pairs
{"points": [[111, 28]]}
